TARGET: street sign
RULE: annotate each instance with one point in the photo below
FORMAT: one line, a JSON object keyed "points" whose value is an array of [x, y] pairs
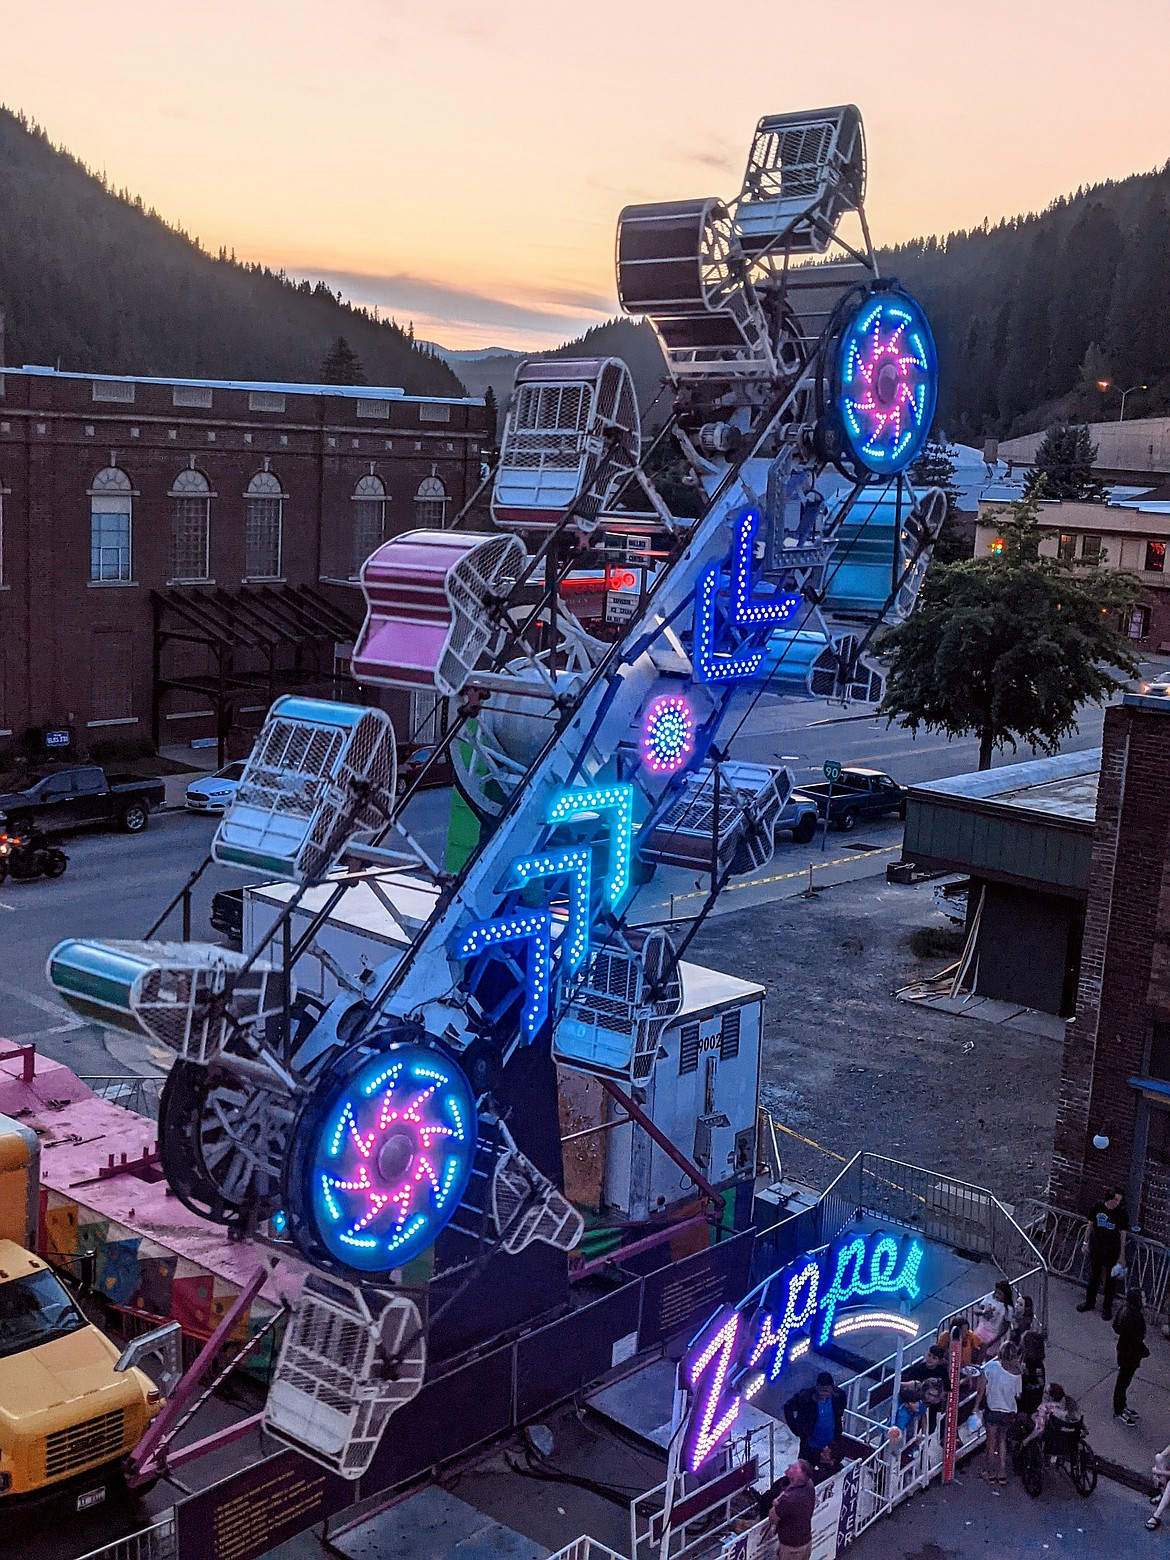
{"points": [[832, 771]]}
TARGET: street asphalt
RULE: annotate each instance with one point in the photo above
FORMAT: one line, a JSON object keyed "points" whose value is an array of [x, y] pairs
{"points": [[117, 885]]}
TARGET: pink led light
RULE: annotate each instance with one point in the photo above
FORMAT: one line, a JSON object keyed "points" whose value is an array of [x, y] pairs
{"points": [[668, 734], [706, 1367]]}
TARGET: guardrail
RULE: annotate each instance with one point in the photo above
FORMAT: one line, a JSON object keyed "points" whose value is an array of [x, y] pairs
{"points": [[152, 1543], [1059, 1236], [133, 1091], [586, 1549]]}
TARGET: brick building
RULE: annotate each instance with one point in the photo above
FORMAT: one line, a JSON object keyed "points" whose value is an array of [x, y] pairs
{"points": [[175, 552], [1116, 1073]]}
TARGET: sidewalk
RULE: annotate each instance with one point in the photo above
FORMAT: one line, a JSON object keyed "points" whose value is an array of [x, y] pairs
{"points": [[1082, 1357]]}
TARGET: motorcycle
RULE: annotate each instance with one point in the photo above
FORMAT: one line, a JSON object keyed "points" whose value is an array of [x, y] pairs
{"points": [[27, 856]]}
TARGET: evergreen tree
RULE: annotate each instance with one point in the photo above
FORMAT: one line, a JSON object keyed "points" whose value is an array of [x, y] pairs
{"points": [[1008, 648], [492, 417], [935, 468], [1082, 285], [341, 365], [1064, 464], [1139, 322]]}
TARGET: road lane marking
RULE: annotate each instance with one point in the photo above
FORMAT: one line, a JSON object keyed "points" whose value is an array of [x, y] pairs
{"points": [[781, 877]]}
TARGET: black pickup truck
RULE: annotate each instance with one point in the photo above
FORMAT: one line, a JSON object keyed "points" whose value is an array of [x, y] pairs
{"points": [[859, 793], [77, 796]]}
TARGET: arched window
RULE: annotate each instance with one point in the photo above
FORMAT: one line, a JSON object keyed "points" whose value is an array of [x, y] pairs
{"points": [[263, 522], [190, 527], [369, 518], [430, 502], [111, 501]]}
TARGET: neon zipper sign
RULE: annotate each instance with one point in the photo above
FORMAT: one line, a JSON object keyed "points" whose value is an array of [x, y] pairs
{"points": [[801, 1301]]}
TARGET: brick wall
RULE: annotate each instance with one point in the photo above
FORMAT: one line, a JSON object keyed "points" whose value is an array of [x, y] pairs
{"points": [[1125, 962], [59, 628]]}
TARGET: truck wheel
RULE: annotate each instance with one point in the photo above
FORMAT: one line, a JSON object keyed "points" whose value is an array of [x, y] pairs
{"points": [[805, 829], [847, 822], [132, 819]]}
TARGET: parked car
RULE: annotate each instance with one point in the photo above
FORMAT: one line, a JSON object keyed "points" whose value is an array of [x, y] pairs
{"points": [[76, 797], [799, 814], [859, 793], [214, 793], [411, 761], [227, 915], [1156, 688]]}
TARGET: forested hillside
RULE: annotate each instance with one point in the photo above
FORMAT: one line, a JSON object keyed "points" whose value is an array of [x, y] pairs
{"points": [[90, 280], [1030, 313]]}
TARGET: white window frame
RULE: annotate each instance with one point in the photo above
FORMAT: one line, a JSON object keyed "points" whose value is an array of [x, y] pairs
{"points": [[432, 495], [264, 488], [368, 496], [190, 487], [112, 494]]}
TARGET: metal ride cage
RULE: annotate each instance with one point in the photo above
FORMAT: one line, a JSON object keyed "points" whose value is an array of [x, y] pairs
{"points": [[573, 428]]}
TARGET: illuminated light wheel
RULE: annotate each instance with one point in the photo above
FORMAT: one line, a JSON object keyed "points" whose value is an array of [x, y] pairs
{"points": [[668, 734], [887, 382], [382, 1153]]}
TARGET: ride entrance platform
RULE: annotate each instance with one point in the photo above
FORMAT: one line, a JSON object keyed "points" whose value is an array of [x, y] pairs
{"points": [[950, 1281]]}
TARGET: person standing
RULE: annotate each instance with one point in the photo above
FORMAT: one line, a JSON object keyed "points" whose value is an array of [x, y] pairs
{"points": [[790, 1519], [1104, 1244], [1130, 1327], [997, 1397], [1033, 1373], [815, 1416]]}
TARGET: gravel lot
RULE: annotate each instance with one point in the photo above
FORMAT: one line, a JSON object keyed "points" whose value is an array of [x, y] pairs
{"points": [[848, 1066]]}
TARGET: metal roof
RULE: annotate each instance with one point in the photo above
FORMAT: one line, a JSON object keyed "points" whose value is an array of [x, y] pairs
{"points": [[1027, 824], [1063, 787], [272, 386]]}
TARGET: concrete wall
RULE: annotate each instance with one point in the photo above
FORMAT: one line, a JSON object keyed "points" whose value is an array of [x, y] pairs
{"points": [[1138, 444]]}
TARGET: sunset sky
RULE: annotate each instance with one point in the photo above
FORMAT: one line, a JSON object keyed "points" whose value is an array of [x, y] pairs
{"points": [[462, 164]]}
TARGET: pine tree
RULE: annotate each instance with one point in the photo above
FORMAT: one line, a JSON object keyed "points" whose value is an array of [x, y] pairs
{"points": [[1086, 265], [935, 468], [341, 365], [1139, 321], [491, 417], [1064, 463]]}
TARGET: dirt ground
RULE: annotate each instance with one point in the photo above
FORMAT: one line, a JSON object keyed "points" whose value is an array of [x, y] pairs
{"points": [[848, 1066]]}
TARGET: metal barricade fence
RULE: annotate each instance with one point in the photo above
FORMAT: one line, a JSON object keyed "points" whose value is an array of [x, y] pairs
{"points": [[1059, 1236], [152, 1543]]}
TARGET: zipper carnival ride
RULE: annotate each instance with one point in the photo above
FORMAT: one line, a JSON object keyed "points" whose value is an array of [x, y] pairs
{"points": [[406, 1135]]}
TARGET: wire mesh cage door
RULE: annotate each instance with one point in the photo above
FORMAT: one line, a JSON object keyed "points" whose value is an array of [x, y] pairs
{"points": [[318, 773], [350, 1358], [177, 993], [614, 1021]]}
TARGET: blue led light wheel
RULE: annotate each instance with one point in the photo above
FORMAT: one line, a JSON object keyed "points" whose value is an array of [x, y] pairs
{"points": [[381, 1157], [886, 382]]}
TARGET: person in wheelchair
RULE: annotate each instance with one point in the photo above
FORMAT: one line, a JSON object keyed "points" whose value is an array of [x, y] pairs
{"points": [[1057, 1422]]}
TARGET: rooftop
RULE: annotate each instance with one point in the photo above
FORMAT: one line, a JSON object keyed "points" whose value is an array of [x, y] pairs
{"points": [[1062, 788], [276, 387]]}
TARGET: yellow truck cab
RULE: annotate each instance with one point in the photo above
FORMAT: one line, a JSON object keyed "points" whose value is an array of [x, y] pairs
{"points": [[64, 1408], [70, 1408]]}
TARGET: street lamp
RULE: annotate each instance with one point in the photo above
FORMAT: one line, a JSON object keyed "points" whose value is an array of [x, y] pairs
{"points": [[1107, 384], [1124, 393]]}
